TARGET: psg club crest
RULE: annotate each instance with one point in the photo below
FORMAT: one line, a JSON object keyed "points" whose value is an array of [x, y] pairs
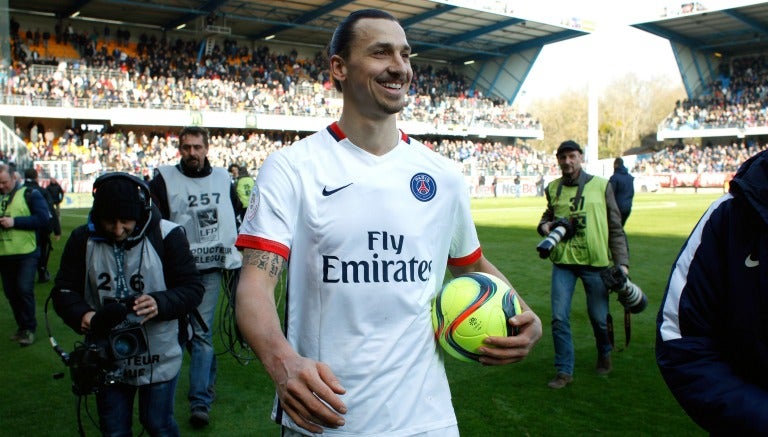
{"points": [[423, 187]]}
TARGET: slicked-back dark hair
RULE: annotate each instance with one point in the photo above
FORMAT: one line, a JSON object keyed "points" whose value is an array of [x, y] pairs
{"points": [[345, 32]]}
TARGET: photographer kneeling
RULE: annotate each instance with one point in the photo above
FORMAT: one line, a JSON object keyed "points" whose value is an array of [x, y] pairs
{"points": [[126, 280], [582, 224]]}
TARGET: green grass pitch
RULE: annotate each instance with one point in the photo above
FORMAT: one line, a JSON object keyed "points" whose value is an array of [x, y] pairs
{"points": [[489, 401]]}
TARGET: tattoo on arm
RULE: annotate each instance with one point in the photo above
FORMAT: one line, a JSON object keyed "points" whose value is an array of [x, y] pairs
{"points": [[267, 261]]}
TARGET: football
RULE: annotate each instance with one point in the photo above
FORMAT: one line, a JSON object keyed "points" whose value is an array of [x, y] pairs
{"points": [[468, 309]]}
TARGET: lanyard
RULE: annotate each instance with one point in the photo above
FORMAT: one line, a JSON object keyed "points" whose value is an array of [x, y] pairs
{"points": [[120, 282]]}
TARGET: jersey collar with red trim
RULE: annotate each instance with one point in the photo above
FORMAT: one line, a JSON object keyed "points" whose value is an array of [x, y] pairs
{"points": [[339, 135]]}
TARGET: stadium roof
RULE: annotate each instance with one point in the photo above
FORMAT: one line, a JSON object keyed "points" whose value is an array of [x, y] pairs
{"points": [[730, 32], [702, 38], [502, 46]]}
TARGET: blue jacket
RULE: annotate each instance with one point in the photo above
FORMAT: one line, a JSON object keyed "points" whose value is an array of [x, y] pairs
{"points": [[712, 327], [623, 189]]}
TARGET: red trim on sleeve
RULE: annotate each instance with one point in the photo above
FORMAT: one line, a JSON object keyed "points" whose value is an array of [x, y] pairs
{"points": [[258, 243], [466, 260]]}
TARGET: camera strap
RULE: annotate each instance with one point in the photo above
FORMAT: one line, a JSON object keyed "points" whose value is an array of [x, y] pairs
{"points": [[7, 199], [581, 181], [627, 329], [627, 326]]}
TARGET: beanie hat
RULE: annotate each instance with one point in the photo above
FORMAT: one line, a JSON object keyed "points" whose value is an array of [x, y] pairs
{"points": [[118, 198]]}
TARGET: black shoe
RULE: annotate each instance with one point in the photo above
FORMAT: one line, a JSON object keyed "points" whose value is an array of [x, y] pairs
{"points": [[199, 417], [43, 276]]}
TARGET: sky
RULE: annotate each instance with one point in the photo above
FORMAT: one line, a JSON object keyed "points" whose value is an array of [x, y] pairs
{"points": [[612, 50], [570, 64]]}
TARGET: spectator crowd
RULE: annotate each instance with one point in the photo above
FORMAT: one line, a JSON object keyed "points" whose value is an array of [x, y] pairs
{"points": [[159, 73], [737, 98], [691, 158]]}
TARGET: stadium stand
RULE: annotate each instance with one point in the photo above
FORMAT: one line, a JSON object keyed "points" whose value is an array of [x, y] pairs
{"points": [[88, 67]]}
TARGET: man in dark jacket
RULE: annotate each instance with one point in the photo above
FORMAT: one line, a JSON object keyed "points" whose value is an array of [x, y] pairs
{"points": [[623, 188], [44, 235], [712, 336], [57, 195], [128, 265]]}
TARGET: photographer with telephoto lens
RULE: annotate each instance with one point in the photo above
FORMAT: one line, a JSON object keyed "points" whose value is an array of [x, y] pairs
{"points": [[127, 281], [595, 243]]}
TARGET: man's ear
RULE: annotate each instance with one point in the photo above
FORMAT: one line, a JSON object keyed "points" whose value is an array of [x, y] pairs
{"points": [[338, 68]]}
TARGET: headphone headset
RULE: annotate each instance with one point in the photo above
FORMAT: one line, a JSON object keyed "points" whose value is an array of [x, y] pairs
{"points": [[144, 193], [145, 196]]}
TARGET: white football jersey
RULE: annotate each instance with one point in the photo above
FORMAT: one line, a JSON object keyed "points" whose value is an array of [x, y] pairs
{"points": [[367, 239]]}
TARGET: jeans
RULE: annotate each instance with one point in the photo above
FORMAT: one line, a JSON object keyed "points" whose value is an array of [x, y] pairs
{"points": [[115, 406], [202, 366], [563, 284], [18, 277]]}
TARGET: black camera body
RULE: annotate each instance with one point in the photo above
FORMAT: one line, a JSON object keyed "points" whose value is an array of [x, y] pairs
{"points": [[630, 295], [94, 364], [562, 229], [91, 368]]}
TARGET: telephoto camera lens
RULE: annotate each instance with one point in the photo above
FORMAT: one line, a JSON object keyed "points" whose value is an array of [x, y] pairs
{"points": [[630, 296], [633, 298], [547, 244]]}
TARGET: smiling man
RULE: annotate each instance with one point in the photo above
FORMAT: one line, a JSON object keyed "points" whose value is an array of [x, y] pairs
{"points": [[370, 220]]}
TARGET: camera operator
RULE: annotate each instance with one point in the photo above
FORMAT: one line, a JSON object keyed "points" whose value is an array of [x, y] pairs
{"points": [[595, 243], [128, 264]]}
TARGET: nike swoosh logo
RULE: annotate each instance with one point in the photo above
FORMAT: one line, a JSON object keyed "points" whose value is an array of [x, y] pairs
{"points": [[327, 192], [749, 262]]}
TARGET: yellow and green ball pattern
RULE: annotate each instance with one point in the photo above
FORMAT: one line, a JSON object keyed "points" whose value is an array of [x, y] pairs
{"points": [[468, 309]]}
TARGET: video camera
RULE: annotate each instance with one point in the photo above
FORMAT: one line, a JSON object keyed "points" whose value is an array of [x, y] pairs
{"points": [[116, 334], [630, 295], [562, 229]]}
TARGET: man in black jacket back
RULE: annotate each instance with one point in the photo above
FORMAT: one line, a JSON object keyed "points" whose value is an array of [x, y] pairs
{"points": [[44, 235], [57, 195], [623, 185]]}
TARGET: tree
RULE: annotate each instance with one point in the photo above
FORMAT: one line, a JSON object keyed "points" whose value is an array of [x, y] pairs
{"points": [[562, 118], [630, 109]]}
